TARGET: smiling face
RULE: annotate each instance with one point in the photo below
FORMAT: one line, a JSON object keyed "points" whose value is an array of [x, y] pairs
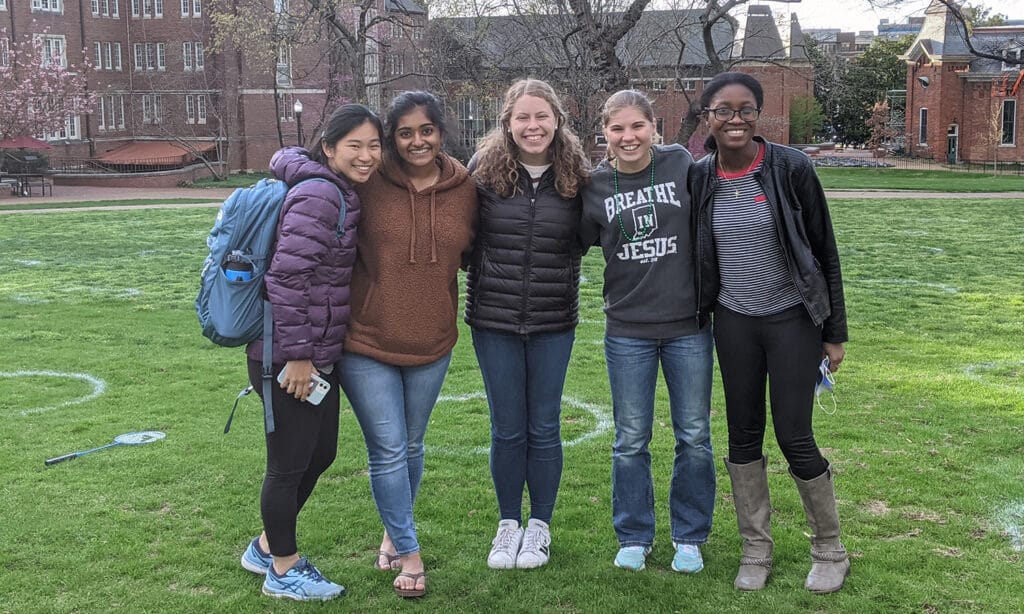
{"points": [[630, 135], [735, 134], [533, 125], [417, 139], [356, 154]]}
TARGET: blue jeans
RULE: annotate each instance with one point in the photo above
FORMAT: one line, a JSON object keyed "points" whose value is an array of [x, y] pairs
{"points": [[393, 406], [524, 376], [633, 373]]}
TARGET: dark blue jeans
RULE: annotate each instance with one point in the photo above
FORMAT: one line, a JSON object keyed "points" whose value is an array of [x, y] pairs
{"points": [[524, 376]]}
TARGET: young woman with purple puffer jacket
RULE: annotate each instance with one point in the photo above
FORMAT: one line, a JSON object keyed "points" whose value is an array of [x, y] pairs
{"points": [[308, 287]]}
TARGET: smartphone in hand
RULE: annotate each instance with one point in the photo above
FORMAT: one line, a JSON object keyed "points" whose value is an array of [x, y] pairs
{"points": [[320, 388]]}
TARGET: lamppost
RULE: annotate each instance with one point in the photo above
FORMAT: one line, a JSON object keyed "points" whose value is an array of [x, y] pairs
{"points": [[298, 120]]}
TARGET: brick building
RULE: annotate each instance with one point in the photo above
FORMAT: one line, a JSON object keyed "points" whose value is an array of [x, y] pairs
{"points": [[664, 55], [962, 108], [163, 98]]}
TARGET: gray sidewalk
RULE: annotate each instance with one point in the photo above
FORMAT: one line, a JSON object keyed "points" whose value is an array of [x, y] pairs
{"points": [[70, 194]]}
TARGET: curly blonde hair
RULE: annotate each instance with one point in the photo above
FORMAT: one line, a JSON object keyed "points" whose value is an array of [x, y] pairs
{"points": [[497, 154]]}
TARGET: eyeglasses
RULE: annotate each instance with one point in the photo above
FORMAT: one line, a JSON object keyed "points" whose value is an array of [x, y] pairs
{"points": [[724, 114]]}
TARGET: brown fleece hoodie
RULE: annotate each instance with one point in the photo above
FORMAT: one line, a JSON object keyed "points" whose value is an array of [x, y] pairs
{"points": [[405, 289]]}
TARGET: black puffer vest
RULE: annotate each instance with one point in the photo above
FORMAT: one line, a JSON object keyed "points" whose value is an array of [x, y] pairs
{"points": [[524, 271]]}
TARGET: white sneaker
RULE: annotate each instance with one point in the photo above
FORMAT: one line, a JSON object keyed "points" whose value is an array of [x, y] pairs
{"points": [[536, 547], [506, 545]]}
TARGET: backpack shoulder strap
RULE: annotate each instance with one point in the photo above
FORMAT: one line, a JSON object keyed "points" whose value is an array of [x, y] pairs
{"points": [[342, 206]]}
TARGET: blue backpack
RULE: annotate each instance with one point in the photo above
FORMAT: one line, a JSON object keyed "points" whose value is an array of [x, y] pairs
{"points": [[231, 308]]}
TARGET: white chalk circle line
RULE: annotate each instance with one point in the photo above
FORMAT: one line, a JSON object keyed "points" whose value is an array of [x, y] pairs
{"points": [[603, 421], [98, 388], [978, 372], [908, 282]]}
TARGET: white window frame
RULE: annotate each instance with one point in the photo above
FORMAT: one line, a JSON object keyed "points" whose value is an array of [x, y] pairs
{"points": [[161, 56], [1016, 53], [158, 8], [197, 8], [48, 42], [97, 55], [137, 50], [147, 9], [184, 7], [102, 115], [5, 52], [186, 56], [47, 6], [200, 63], [150, 56], [190, 109], [105, 4], [116, 10], [286, 107], [201, 108], [95, 6], [69, 132], [3, 5], [117, 56], [283, 72], [136, 8], [152, 109], [1008, 139], [922, 126], [109, 56]]}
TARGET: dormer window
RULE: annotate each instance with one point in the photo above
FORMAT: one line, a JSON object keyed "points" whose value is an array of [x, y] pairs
{"points": [[1012, 58]]}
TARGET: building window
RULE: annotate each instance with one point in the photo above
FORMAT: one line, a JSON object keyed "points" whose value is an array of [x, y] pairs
{"points": [[1012, 58], [98, 60], [114, 12], [158, 8], [68, 133], [109, 56], [284, 65], [139, 62], [111, 112], [5, 52], [152, 108], [135, 8], [922, 127], [47, 6], [101, 117], [688, 85], [3, 5], [200, 55], [197, 8], [1008, 136], [395, 65], [184, 7], [195, 108], [106, 8], [186, 55], [95, 8], [117, 56], [53, 51], [286, 107], [161, 56], [476, 117]]}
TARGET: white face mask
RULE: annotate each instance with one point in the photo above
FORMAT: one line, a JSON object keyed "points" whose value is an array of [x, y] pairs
{"points": [[826, 385]]}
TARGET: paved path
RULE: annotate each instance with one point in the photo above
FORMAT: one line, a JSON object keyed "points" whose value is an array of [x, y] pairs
{"points": [[68, 194]]}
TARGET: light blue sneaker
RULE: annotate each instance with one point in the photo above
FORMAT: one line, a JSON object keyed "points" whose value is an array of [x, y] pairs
{"points": [[255, 559], [687, 559], [302, 582], [633, 558]]}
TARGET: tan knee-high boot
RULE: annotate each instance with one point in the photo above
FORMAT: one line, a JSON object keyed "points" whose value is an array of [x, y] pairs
{"points": [[753, 515], [829, 562]]}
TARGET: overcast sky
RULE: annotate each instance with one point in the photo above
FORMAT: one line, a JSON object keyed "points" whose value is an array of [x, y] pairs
{"points": [[857, 15]]}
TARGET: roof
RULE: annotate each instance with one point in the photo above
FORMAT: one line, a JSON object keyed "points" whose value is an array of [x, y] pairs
{"points": [[942, 37], [660, 38], [761, 36], [410, 7], [162, 153]]}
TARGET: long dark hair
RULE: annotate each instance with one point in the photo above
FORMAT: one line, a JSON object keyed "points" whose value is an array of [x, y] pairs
{"points": [[407, 102], [344, 120], [720, 81]]}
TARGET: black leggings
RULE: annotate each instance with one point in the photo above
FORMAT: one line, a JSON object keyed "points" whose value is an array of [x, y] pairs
{"points": [[783, 349], [302, 446]]}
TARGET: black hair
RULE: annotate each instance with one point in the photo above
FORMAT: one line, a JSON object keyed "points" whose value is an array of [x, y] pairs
{"points": [[405, 103], [344, 120], [720, 81]]}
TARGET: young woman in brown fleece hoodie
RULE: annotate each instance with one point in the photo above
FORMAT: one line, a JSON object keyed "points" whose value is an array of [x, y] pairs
{"points": [[418, 221]]}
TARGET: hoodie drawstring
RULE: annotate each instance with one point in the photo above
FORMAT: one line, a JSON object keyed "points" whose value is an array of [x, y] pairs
{"points": [[412, 233], [433, 234]]}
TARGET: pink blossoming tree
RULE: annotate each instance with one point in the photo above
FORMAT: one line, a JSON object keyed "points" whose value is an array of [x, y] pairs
{"points": [[40, 92]]}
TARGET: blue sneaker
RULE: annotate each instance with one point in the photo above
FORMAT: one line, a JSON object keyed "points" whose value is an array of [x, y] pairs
{"points": [[302, 582], [687, 559], [255, 559], [633, 558]]}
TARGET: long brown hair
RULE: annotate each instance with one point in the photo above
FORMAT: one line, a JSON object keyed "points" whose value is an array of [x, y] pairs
{"points": [[497, 154]]}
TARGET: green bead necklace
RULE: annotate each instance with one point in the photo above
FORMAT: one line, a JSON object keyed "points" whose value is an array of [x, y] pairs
{"points": [[615, 199]]}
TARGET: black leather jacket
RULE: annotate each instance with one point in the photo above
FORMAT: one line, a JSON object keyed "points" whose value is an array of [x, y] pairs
{"points": [[524, 272], [804, 229]]}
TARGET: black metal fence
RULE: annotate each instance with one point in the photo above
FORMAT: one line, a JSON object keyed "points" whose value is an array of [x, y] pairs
{"points": [[97, 166]]}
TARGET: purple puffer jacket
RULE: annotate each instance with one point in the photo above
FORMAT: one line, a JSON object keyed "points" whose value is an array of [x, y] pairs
{"points": [[308, 279]]}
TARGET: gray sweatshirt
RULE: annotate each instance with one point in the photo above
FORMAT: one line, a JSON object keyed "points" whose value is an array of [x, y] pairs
{"points": [[644, 232]]}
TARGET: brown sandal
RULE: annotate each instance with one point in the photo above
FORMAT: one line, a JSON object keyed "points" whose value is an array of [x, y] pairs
{"points": [[412, 593], [392, 558]]}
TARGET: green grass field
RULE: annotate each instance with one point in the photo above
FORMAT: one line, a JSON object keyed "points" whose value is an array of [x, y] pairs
{"points": [[99, 338], [920, 180]]}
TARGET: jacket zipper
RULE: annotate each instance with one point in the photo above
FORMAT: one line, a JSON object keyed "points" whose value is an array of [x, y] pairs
{"points": [[527, 253]]}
